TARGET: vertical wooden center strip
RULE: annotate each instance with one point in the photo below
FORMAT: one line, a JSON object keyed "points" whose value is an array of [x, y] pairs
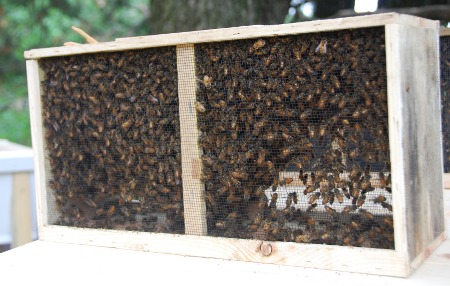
{"points": [[193, 188]]}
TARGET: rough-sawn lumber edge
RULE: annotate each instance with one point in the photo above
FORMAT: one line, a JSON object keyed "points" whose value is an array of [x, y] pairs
{"points": [[235, 33]]}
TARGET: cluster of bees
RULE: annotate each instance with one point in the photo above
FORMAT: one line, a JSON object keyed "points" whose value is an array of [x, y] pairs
{"points": [[445, 97], [112, 138], [314, 104]]}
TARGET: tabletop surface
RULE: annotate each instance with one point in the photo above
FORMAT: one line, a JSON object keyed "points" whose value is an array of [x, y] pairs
{"points": [[49, 263]]}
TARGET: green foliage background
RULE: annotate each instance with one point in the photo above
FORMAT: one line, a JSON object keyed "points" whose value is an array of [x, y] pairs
{"points": [[27, 25], [30, 24]]}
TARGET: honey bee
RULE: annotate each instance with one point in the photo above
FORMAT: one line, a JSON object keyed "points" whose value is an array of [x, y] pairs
{"points": [[313, 198], [239, 175], [199, 107], [388, 221], [347, 240], [263, 202], [310, 222], [111, 210], [330, 211], [207, 80], [379, 199], [366, 214], [294, 197], [303, 238], [266, 225], [303, 177], [339, 195], [127, 124], [322, 47], [220, 224], [259, 44], [304, 115], [355, 225], [286, 181], [348, 209], [360, 201], [311, 207], [273, 200], [232, 216], [386, 206]]}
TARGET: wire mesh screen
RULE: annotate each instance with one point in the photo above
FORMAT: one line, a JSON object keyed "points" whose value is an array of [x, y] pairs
{"points": [[445, 97], [112, 139], [294, 135]]}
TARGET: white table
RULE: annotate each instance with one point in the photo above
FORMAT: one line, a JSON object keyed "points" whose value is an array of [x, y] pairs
{"points": [[47, 263]]}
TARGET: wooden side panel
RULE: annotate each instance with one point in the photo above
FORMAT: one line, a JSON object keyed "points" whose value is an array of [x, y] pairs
{"points": [[193, 188], [396, 139], [34, 97], [337, 258], [414, 84]]}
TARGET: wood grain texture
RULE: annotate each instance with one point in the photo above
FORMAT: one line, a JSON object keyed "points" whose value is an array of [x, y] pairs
{"points": [[34, 97], [413, 102], [235, 33], [396, 139], [338, 258], [193, 188], [414, 109]]}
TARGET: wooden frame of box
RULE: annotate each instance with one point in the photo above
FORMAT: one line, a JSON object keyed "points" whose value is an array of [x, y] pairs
{"points": [[413, 97], [444, 34]]}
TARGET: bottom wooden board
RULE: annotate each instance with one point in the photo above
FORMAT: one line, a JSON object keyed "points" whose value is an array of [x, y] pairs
{"points": [[110, 266], [329, 257]]}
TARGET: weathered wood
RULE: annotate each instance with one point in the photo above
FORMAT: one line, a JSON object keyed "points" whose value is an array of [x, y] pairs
{"points": [[338, 258], [193, 188], [413, 103], [21, 210], [44, 199], [414, 106], [236, 33]]}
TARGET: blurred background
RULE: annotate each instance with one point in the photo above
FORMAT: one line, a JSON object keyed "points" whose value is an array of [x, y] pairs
{"points": [[30, 24]]}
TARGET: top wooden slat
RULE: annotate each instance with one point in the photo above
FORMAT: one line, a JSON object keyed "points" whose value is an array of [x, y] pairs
{"points": [[236, 33]]}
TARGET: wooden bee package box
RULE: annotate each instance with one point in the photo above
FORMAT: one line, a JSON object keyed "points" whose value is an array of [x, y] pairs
{"points": [[445, 99], [302, 144]]}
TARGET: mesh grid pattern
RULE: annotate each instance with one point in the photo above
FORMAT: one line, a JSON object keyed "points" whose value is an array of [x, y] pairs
{"points": [[294, 135], [445, 98], [112, 138], [283, 138]]}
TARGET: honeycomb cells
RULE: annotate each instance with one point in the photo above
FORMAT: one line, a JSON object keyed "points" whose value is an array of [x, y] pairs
{"points": [[445, 99], [294, 135], [112, 140]]}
